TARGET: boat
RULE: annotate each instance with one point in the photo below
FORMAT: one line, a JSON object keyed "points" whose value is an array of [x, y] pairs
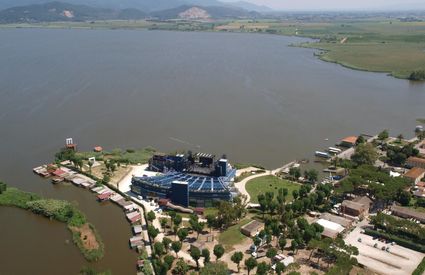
{"points": [[322, 154], [334, 150]]}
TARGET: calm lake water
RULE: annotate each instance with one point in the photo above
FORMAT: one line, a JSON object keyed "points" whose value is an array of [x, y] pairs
{"points": [[249, 96]]}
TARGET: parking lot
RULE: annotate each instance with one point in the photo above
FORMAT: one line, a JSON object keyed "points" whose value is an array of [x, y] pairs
{"points": [[398, 260]]}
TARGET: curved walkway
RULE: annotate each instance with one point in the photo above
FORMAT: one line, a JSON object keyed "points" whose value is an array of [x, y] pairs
{"points": [[241, 184]]}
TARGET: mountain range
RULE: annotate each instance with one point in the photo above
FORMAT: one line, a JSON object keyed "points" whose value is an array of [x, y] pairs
{"points": [[143, 5], [58, 11]]}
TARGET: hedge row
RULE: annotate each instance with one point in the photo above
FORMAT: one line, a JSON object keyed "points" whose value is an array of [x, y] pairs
{"points": [[398, 240]]}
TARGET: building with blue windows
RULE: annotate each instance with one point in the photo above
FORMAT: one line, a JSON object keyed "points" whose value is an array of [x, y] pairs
{"points": [[187, 179]]}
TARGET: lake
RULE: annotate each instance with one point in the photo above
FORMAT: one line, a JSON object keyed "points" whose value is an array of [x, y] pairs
{"points": [[249, 96]]}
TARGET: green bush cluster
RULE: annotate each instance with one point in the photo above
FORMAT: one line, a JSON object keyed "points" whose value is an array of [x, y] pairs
{"points": [[60, 210], [400, 241], [3, 187], [17, 198], [417, 75]]}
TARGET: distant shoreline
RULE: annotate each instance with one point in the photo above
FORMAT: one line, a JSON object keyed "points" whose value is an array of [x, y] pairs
{"points": [[328, 52]]}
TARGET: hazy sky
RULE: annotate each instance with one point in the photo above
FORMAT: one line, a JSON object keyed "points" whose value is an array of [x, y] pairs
{"points": [[335, 4]]}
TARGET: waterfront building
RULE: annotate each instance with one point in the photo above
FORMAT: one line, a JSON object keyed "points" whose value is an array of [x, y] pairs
{"points": [[187, 179]]}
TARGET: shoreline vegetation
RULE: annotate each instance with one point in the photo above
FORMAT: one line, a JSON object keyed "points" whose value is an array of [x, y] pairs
{"points": [[84, 234], [373, 45]]}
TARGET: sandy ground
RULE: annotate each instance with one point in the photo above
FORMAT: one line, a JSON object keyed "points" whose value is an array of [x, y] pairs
{"points": [[399, 261], [136, 170]]}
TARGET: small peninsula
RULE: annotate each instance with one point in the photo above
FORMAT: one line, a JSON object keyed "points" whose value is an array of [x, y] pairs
{"points": [[84, 234]]}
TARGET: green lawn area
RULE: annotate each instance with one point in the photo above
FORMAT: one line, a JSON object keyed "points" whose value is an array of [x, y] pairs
{"points": [[134, 156], [269, 183], [233, 235]]}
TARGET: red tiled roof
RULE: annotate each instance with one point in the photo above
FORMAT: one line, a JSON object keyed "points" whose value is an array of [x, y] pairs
{"points": [[351, 139], [415, 173], [58, 172], [416, 159], [104, 196]]}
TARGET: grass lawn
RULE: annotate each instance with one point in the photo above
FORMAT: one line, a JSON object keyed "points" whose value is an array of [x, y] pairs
{"points": [[233, 235], [134, 156], [269, 184]]}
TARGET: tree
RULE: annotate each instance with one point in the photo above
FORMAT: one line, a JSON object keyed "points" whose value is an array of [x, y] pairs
{"points": [[211, 221], [219, 268], [360, 140], [257, 241], [311, 175], [295, 194], [218, 251], [383, 135], [163, 222], [168, 260], [182, 234], [365, 154], [263, 268], [280, 268], [271, 253], [159, 249], [206, 255], [281, 195], [198, 227], [227, 214], [152, 231], [263, 203], [176, 246], [295, 173], [237, 258], [294, 246], [250, 264], [282, 243], [181, 268], [404, 198], [151, 216], [177, 220], [195, 253], [400, 138], [166, 242], [172, 215]]}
